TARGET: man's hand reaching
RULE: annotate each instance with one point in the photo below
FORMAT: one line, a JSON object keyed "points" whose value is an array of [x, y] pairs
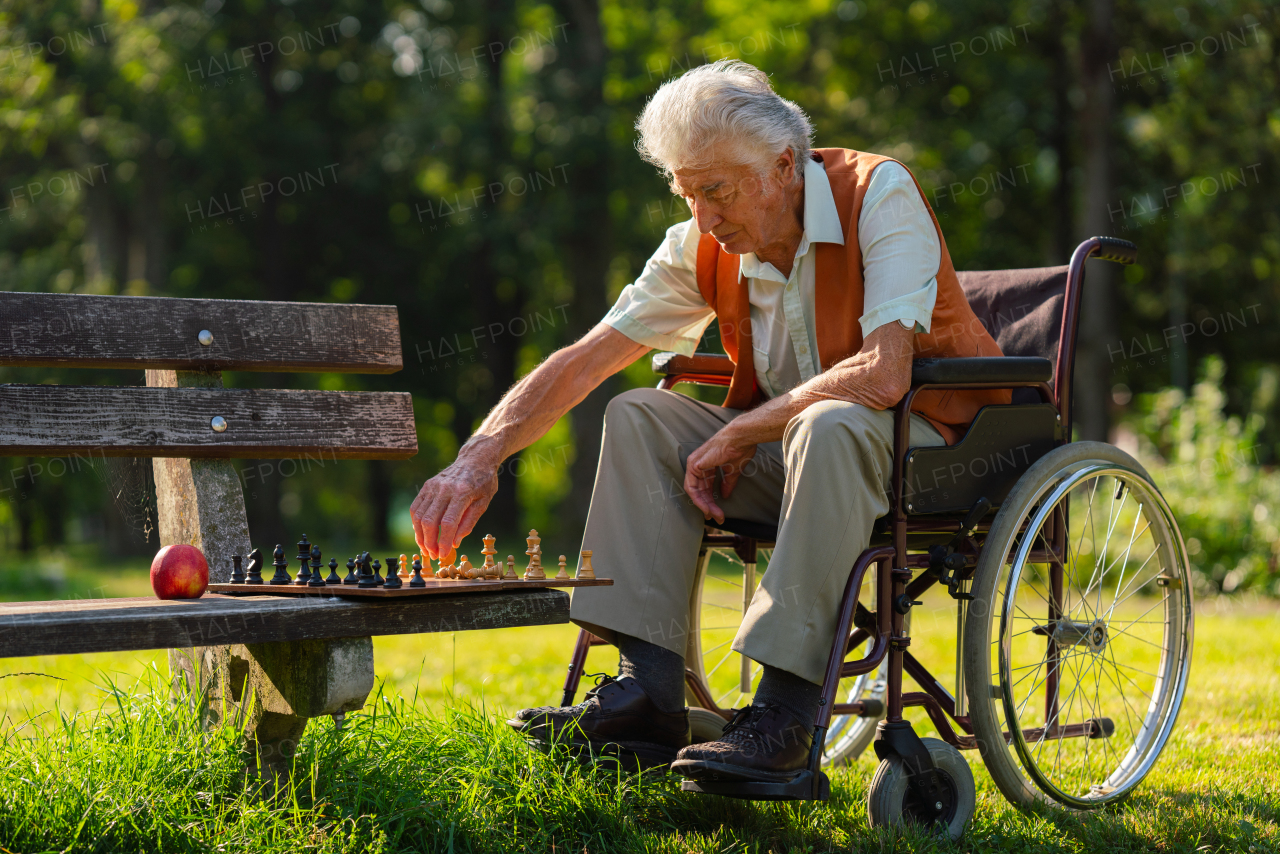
{"points": [[450, 504], [723, 453]]}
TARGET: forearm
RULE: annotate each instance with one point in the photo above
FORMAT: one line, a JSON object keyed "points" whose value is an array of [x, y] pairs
{"points": [[877, 377], [536, 402]]}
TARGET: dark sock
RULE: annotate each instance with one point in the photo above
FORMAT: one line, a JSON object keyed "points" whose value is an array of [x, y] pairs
{"points": [[659, 671], [796, 695]]}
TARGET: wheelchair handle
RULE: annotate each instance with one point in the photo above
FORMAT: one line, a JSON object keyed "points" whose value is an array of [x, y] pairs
{"points": [[1116, 249]]}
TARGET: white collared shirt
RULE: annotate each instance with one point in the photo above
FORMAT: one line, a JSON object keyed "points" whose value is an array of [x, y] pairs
{"points": [[663, 308]]}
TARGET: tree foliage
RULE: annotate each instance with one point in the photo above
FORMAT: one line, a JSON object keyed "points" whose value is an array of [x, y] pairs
{"points": [[473, 164]]}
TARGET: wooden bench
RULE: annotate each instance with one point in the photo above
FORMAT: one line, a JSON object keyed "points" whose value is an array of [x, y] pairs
{"points": [[271, 662]]}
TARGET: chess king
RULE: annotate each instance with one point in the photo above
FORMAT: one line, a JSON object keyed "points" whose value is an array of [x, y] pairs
{"points": [[828, 273]]}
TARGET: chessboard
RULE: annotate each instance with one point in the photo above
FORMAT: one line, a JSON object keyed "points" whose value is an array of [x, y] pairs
{"points": [[364, 577]]}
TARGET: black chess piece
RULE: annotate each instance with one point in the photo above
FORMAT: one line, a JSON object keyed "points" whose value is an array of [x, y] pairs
{"points": [[282, 567], [333, 578], [393, 581], [304, 556], [237, 574], [377, 574], [366, 573], [253, 573], [317, 580], [417, 580], [352, 576]]}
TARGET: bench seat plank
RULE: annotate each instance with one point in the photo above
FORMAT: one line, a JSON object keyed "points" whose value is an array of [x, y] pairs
{"points": [[105, 421], [115, 625], [69, 330]]}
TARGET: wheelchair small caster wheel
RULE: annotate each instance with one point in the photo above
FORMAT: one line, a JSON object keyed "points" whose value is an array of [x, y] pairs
{"points": [[892, 803]]}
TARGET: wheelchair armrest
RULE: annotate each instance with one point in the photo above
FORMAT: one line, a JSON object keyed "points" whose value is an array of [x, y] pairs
{"points": [[981, 369], [700, 364]]}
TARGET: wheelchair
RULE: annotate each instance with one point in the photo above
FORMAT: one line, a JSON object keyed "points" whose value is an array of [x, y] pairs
{"points": [[1069, 575]]}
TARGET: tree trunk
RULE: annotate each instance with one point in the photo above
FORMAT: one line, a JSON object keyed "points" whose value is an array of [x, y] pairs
{"points": [[1098, 304], [24, 514], [379, 502], [1060, 237], [588, 245], [499, 350]]}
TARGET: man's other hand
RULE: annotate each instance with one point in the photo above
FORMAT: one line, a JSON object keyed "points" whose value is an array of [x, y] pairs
{"points": [[724, 453], [450, 504]]}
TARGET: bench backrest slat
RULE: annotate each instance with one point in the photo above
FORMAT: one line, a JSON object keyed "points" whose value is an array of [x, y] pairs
{"points": [[45, 420], [76, 330]]}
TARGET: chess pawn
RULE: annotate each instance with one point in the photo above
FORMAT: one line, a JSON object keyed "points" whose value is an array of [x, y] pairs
{"points": [[316, 580], [510, 574], [393, 574], [416, 580], [333, 578], [446, 564], [465, 569], [254, 572], [585, 571], [352, 576], [378, 580], [563, 574], [282, 567], [426, 565], [237, 574]]}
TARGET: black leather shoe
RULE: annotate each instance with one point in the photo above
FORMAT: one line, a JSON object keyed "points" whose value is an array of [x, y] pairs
{"points": [[761, 743], [616, 719]]}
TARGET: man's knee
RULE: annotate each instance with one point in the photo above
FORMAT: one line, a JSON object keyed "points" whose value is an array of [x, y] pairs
{"points": [[833, 420], [627, 404]]}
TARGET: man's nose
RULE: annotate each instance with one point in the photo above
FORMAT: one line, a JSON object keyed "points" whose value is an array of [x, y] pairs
{"points": [[704, 217]]}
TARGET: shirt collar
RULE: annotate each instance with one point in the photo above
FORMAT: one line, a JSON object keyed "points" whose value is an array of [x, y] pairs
{"points": [[821, 224]]}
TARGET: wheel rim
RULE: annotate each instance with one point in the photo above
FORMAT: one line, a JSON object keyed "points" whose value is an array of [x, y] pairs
{"points": [[916, 810], [1118, 645]]}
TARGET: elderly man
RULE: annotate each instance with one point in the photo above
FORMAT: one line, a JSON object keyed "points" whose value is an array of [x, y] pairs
{"points": [[828, 274]]}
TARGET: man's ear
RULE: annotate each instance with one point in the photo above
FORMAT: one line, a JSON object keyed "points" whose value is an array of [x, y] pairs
{"points": [[785, 166]]}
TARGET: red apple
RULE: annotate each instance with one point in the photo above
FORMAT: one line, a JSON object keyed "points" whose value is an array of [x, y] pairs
{"points": [[179, 572]]}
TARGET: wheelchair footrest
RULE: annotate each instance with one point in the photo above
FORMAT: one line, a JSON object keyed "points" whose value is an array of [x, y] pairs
{"points": [[799, 788]]}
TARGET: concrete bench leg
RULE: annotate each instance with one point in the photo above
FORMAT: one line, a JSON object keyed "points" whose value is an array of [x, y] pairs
{"points": [[269, 690]]}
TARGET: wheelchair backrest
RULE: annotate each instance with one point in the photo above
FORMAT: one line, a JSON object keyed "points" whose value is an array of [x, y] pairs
{"points": [[1022, 309]]}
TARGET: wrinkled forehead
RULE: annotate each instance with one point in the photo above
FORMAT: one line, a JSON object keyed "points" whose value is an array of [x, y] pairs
{"points": [[706, 178]]}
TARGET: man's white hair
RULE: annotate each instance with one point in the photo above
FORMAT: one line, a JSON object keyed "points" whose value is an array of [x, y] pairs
{"points": [[727, 107]]}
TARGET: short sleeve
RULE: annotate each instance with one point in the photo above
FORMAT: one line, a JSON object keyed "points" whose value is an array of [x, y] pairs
{"points": [[900, 252], [663, 309]]}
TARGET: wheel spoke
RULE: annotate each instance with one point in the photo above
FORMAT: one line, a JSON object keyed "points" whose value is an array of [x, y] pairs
{"points": [[1124, 560]]}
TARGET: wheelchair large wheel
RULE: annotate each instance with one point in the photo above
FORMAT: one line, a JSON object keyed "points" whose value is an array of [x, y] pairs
{"points": [[718, 602], [1078, 641]]}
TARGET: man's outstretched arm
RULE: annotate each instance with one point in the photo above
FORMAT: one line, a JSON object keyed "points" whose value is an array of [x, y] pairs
{"points": [[451, 503]]}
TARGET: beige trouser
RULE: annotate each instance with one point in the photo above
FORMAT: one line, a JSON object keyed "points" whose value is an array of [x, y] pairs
{"points": [[824, 485]]}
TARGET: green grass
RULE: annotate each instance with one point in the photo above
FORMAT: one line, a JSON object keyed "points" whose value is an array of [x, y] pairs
{"points": [[97, 759]]}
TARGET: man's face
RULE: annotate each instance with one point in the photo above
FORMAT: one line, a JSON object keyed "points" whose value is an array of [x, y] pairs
{"points": [[742, 208]]}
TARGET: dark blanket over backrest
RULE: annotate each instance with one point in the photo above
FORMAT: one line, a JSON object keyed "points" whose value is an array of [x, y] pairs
{"points": [[1022, 309]]}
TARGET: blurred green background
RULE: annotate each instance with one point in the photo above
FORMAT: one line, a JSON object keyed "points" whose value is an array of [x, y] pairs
{"points": [[474, 164]]}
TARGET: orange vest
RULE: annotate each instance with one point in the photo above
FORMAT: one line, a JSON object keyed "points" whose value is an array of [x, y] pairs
{"points": [[954, 329]]}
